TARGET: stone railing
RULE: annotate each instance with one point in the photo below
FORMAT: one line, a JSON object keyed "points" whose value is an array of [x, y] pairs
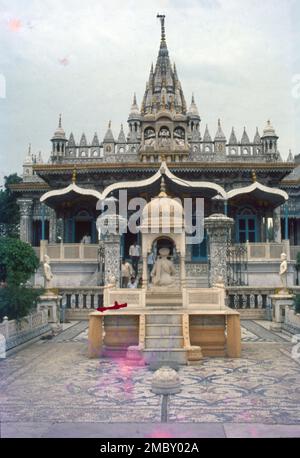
{"points": [[248, 297], [267, 251], [251, 302], [69, 251], [17, 332], [82, 298]]}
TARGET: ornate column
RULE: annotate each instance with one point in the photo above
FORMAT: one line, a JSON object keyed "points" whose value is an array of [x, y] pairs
{"points": [[277, 225], [218, 228], [52, 226], [112, 258], [25, 206], [113, 227]]}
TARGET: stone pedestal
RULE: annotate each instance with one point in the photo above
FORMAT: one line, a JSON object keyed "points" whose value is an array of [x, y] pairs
{"points": [[279, 303], [218, 228], [51, 302], [166, 381]]}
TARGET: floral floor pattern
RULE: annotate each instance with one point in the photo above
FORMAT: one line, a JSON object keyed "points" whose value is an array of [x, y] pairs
{"points": [[55, 381]]}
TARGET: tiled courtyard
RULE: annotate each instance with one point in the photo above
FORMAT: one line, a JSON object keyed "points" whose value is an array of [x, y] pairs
{"points": [[51, 389]]}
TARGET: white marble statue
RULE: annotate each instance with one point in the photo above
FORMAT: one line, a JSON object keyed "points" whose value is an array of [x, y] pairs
{"points": [[283, 271], [48, 275], [163, 272]]}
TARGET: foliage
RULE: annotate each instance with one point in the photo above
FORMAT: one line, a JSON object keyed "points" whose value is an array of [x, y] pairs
{"points": [[18, 259], [298, 261], [9, 210], [297, 303], [18, 262], [17, 301]]}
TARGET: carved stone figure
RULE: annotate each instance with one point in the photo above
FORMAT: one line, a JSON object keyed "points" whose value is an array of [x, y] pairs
{"points": [[48, 275], [163, 273], [283, 271]]}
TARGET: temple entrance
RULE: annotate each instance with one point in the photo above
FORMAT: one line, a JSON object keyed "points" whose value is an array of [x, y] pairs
{"points": [[82, 228]]}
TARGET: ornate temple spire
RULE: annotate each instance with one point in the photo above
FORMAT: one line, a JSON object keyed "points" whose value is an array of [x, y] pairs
{"points": [[257, 139], [71, 141], [83, 141], [134, 110], [121, 137], [220, 136], [163, 90], [95, 141], [109, 137], [290, 157], [193, 110], [59, 133], [245, 139], [162, 17], [232, 139], [207, 137]]}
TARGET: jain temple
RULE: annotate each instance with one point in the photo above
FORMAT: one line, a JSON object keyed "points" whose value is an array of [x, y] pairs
{"points": [[187, 302]]}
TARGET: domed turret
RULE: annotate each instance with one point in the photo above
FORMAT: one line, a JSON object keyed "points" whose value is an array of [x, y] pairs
{"points": [[59, 142], [163, 214]]}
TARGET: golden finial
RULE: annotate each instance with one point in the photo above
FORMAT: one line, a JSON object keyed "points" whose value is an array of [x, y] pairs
{"points": [[163, 192], [254, 178], [74, 175]]}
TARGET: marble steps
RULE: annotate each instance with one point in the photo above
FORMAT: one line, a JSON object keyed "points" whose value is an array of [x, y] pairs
{"points": [[166, 343], [163, 330], [164, 339]]}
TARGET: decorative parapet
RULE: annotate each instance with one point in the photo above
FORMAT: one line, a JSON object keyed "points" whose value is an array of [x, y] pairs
{"points": [[17, 332]]}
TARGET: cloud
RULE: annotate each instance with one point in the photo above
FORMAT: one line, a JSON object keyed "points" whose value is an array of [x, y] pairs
{"points": [[85, 59]]}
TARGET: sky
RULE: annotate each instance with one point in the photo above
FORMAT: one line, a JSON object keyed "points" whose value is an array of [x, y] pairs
{"points": [[86, 59]]}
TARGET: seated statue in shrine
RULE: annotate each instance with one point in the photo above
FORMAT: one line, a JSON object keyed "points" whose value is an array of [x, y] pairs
{"points": [[163, 272]]}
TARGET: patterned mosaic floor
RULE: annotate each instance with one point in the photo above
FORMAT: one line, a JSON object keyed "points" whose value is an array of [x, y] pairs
{"points": [[55, 381]]}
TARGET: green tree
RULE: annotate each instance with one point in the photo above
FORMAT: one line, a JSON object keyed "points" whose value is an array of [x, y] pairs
{"points": [[18, 262], [297, 265], [9, 210]]}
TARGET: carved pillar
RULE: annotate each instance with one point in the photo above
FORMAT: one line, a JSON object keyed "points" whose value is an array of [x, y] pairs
{"points": [[277, 225], [25, 206], [112, 258], [52, 226], [218, 228]]}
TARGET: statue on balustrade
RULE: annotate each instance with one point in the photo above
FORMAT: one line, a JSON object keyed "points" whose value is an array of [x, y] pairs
{"points": [[163, 273], [48, 275], [283, 270]]}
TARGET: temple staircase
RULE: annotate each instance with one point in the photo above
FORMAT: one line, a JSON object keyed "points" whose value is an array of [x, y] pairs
{"points": [[164, 343]]}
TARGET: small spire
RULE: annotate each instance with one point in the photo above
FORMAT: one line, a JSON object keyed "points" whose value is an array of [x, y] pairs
{"points": [[74, 175], [220, 134], [134, 99], [163, 191], [29, 149], [59, 123], [193, 98], [162, 17], [109, 124]]}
